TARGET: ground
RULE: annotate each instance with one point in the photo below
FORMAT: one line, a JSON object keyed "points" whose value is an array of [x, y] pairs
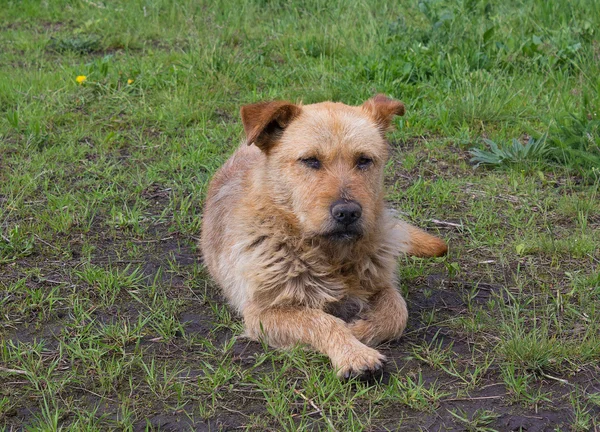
{"points": [[108, 319]]}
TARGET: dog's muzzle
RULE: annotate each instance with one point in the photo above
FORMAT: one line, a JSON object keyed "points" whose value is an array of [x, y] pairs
{"points": [[346, 217]]}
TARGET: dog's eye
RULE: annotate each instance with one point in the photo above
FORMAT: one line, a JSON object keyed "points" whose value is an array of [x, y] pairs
{"points": [[311, 162], [364, 162]]}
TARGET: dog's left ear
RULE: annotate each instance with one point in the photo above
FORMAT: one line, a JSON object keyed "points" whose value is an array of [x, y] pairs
{"points": [[382, 109], [264, 122]]}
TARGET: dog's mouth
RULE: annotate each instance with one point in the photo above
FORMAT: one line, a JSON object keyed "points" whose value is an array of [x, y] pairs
{"points": [[343, 234]]}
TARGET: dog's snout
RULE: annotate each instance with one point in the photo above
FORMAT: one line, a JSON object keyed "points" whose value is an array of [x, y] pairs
{"points": [[346, 212]]}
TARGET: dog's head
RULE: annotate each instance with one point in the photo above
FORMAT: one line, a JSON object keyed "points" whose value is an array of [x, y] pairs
{"points": [[324, 162]]}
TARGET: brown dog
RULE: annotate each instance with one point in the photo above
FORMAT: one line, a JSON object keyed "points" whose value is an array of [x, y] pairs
{"points": [[296, 232]]}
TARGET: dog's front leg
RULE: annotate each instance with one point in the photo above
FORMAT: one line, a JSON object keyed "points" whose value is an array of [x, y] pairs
{"points": [[285, 327], [384, 320]]}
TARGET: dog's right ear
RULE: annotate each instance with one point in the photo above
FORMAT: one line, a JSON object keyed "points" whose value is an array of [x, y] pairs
{"points": [[264, 122]]}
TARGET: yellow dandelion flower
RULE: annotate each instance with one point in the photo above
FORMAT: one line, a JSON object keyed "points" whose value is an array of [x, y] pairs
{"points": [[129, 81], [80, 79]]}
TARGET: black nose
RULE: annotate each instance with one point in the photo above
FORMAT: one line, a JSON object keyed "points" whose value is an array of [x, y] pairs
{"points": [[346, 212]]}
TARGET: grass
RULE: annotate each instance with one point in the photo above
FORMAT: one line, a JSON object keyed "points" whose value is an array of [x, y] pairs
{"points": [[108, 319]]}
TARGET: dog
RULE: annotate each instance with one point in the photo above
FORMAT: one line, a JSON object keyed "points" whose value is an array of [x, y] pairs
{"points": [[296, 232]]}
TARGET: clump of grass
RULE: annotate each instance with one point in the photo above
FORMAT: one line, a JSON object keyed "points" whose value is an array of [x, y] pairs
{"points": [[83, 44], [479, 421], [577, 141], [513, 153], [15, 244], [108, 283], [582, 417], [533, 351], [414, 393], [520, 387], [5, 405]]}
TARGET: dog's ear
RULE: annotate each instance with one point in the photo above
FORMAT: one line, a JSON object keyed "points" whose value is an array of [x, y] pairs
{"points": [[382, 110], [264, 122]]}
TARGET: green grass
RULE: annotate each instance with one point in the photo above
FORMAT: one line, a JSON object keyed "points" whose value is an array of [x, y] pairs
{"points": [[108, 319]]}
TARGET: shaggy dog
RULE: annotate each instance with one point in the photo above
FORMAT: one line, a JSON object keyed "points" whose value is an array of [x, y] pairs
{"points": [[296, 232]]}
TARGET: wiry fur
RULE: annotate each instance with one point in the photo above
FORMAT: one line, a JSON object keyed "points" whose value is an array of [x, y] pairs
{"points": [[266, 223]]}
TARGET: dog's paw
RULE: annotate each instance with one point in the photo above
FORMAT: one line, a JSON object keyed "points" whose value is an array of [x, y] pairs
{"points": [[358, 361]]}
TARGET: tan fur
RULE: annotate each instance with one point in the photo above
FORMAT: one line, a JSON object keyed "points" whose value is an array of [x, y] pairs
{"points": [[267, 230], [419, 243]]}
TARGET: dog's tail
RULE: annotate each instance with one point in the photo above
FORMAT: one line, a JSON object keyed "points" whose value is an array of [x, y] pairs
{"points": [[416, 242]]}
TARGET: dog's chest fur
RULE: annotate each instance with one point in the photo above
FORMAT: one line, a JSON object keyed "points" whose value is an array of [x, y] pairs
{"points": [[287, 270]]}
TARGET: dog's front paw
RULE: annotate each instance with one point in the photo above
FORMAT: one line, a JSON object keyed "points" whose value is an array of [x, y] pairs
{"points": [[358, 361]]}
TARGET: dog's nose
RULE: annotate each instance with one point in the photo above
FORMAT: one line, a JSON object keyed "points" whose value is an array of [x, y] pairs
{"points": [[346, 212]]}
